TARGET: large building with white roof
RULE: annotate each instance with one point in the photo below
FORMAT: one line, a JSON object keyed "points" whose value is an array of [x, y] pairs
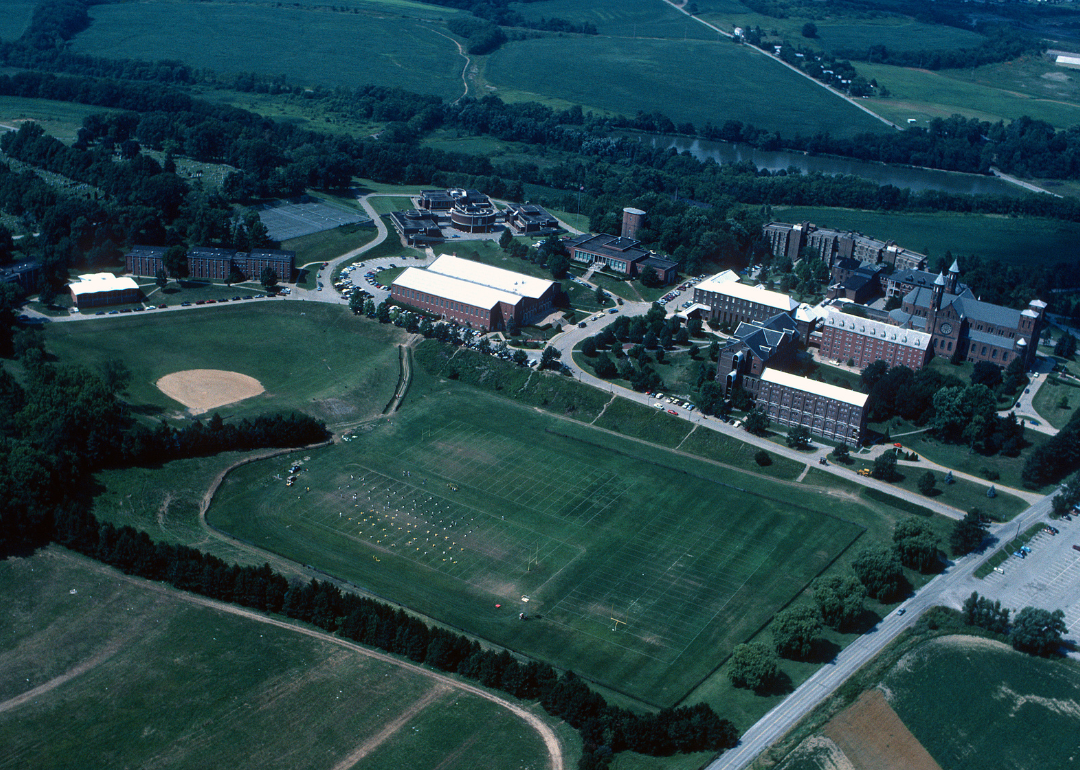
{"points": [[825, 410], [475, 294], [99, 289], [861, 341], [732, 302]]}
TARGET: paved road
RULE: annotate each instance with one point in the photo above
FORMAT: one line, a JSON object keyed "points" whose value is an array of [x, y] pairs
{"points": [[949, 588]]}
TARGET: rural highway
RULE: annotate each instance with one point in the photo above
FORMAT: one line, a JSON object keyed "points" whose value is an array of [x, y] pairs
{"points": [[956, 581]]}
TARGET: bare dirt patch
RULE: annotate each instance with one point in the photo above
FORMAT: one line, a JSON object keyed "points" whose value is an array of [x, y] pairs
{"points": [[201, 390], [872, 737]]}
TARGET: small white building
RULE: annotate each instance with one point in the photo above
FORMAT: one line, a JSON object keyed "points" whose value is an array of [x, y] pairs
{"points": [[99, 289]]}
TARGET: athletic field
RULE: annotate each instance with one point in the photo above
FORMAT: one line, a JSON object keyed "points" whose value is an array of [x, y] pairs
{"points": [[637, 568]]}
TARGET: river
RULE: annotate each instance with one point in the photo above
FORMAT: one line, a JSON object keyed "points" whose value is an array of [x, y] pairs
{"points": [[909, 177]]}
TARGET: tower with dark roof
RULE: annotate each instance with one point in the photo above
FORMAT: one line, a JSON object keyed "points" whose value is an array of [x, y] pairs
{"points": [[954, 276]]}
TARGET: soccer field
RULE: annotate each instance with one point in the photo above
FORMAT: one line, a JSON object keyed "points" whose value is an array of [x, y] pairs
{"points": [[637, 568]]}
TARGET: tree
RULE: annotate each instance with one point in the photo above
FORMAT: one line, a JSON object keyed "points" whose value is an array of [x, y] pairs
{"points": [[798, 437], [986, 373], [356, 303], [927, 483], [762, 458], [550, 357], [601, 295], [383, 311], [841, 453], [161, 278], [1037, 631], [916, 545], [969, 533], [1065, 346], [809, 29], [175, 261], [588, 346], [840, 599], [753, 665], [521, 357], [884, 467], [604, 366], [505, 239], [880, 570], [115, 374], [268, 278], [794, 629], [757, 422], [980, 611]]}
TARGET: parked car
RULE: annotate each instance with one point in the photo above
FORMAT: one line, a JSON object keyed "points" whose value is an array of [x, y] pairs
{"points": [[672, 411]]}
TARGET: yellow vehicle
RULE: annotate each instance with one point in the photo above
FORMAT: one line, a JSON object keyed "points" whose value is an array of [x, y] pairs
{"points": [[864, 471]]}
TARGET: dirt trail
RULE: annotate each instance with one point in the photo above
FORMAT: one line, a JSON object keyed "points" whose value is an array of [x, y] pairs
{"points": [[372, 743], [551, 742]]}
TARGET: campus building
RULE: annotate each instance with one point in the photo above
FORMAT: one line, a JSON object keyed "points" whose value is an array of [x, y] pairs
{"points": [[475, 294], [620, 255], [25, 274], [530, 219], [732, 302], [789, 240], [100, 289], [825, 410], [416, 227], [214, 264], [849, 339], [966, 328], [755, 346]]}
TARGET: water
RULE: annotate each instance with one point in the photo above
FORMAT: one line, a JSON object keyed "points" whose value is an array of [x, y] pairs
{"points": [[909, 177]]}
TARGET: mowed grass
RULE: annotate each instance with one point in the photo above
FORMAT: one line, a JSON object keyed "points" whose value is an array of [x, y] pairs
{"points": [[687, 80], [643, 569], [60, 119], [311, 46], [1029, 86], [329, 244], [308, 355], [1018, 241], [166, 682], [950, 690], [622, 18]]}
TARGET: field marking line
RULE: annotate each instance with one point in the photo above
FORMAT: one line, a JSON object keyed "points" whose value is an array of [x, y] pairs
{"points": [[438, 692], [546, 733]]}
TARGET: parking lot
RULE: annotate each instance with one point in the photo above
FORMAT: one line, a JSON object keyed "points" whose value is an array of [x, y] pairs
{"points": [[1047, 577]]}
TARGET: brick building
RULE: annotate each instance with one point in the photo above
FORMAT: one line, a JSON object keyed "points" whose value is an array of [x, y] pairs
{"points": [[214, 264], [755, 346], [825, 410], [732, 302], [145, 260], [475, 294], [528, 218], [281, 262], [620, 255], [210, 263], [26, 274], [790, 239], [101, 289], [862, 341]]}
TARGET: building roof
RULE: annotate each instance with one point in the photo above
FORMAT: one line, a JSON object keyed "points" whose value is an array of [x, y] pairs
{"points": [[453, 289], [208, 252], [878, 330], [659, 263], [997, 340], [612, 246], [973, 309], [147, 251], [516, 284], [807, 385], [756, 294], [280, 255], [714, 282], [92, 283]]}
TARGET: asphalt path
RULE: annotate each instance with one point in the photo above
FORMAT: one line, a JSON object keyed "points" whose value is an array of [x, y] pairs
{"points": [[949, 588]]}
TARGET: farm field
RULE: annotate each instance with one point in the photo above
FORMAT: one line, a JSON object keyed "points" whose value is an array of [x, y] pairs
{"points": [[622, 18], [1015, 240], [717, 81], [16, 17], [363, 44], [637, 582], [308, 356], [1029, 86], [127, 674], [61, 119]]}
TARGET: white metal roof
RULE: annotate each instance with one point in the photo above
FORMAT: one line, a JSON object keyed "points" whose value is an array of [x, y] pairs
{"points": [[878, 330], [454, 289], [714, 282], [96, 282], [756, 294], [807, 385], [491, 277]]}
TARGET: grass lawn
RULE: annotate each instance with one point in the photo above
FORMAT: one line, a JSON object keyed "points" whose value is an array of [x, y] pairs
{"points": [[718, 81], [308, 355], [1006, 91], [346, 46], [1015, 240], [165, 681], [1048, 400], [454, 513], [950, 690], [325, 246], [60, 119]]}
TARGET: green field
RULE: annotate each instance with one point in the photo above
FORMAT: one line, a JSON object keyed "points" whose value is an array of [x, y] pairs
{"points": [[716, 82], [61, 119], [315, 46], [135, 676], [329, 244], [307, 355], [1017, 241], [949, 691], [450, 511], [1028, 86], [622, 18], [15, 18]]}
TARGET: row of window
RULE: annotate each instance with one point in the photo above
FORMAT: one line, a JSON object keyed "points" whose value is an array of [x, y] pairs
{"points": [[442, 302]]}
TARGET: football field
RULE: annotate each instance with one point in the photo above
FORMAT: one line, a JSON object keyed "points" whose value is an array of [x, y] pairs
{"points": [[635, 567]]}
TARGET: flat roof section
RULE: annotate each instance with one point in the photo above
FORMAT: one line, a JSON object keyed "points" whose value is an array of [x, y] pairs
{"points": [[93, 283], [453, 289], [754, 294], [714, 282], [516, 284], [807, 385]]}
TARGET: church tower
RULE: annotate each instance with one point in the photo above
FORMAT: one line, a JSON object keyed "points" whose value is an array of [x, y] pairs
{"points": [[954, 277]]}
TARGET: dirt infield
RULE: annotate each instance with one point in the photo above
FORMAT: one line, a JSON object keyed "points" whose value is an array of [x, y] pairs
{"points": [[872, 737], [201, 390]]}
